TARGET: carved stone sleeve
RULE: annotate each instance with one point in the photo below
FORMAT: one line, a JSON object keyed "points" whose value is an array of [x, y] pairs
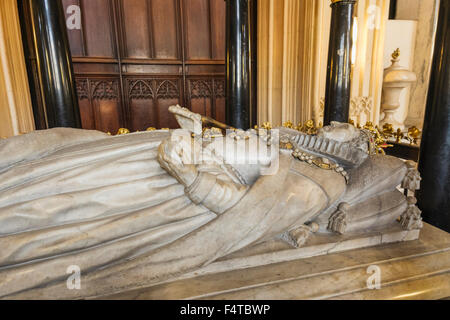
{"points": [[216, 194]]}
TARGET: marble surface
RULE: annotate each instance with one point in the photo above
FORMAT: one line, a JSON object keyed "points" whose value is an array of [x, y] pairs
{"points": [[418, 269], [141, 209], [275, 251]]}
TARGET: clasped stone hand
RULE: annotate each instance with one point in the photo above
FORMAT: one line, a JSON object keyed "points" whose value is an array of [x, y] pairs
{"points": [[177, 155]]}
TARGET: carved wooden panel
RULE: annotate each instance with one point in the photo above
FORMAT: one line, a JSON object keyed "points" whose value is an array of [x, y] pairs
{"points": [[168, 92], [75, 34], [207, 97], [137, 28], [219, 94], [201, 96], [106, 104], [148, 101], [198, 30], [141, 103], [98, 28], [99, 101], [166, 33], [135, 58], [218, 29], [84, 101], [91, 29]]}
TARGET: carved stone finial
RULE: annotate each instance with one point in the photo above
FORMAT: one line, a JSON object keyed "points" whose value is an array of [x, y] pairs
{"points": [[412, 179], [411, 219]]}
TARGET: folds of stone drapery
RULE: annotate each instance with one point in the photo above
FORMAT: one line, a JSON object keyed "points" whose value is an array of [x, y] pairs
{"points": [[39, 143], [245, 223], [90, 204]]}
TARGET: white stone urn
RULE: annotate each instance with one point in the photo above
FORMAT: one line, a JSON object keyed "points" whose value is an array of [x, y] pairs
{"points": [[395, 79]]}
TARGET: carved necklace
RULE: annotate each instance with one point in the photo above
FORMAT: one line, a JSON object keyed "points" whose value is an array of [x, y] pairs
{"points": [[320, 162]]}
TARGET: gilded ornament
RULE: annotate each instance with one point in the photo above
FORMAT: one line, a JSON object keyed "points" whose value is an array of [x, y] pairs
{"points": [[396, 54], [388, 130], [319, 162], [414, 134], [399, 135], [288, 124], [267, 126], [122, 131]]}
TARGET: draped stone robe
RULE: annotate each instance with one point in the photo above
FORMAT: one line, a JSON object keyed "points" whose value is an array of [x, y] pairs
{"points": [[103, 197], [76, 197]]}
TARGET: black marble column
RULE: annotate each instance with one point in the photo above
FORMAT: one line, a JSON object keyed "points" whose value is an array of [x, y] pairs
{"points": [[337, 92], [434, 160], [54, 63], [238, 63]]}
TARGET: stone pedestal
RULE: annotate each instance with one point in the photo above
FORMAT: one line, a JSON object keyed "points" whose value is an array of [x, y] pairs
{"points": [[417, 269]]}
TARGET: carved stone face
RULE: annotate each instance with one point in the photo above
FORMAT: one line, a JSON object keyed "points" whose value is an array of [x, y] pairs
{"points": [[338, 131]]}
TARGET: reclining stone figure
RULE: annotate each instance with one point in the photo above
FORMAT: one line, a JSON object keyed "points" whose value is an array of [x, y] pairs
{"points": [[137, 209]]}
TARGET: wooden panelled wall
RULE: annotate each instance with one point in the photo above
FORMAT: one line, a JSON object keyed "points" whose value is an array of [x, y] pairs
{"points": [[134, 58]]}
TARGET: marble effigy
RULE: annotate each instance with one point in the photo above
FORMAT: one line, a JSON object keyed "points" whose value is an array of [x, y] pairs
{"points": [[140, 209]]}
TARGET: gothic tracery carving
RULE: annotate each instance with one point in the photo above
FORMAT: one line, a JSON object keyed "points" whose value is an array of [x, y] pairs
{"points": [[201, 89], [167, 89], [219, 88], [82, 89], [140, 89], [104, 89]]}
